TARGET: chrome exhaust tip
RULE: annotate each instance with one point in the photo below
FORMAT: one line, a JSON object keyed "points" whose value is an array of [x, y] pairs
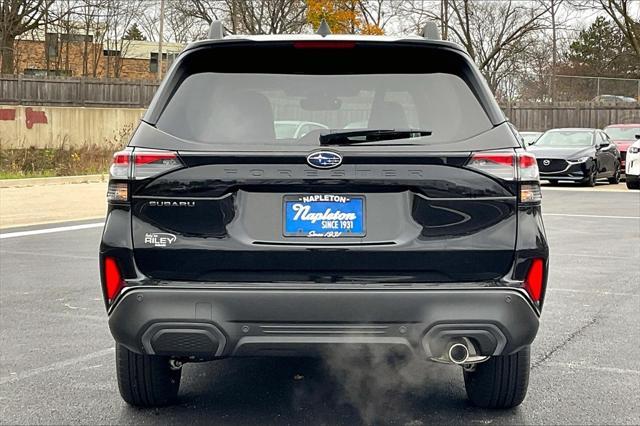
{"points": [[458, 353]]}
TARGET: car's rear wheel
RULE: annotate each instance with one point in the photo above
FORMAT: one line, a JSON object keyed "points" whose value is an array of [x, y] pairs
{"points": [[633, 182], [615, 179], [499, 382], [146, 380]]}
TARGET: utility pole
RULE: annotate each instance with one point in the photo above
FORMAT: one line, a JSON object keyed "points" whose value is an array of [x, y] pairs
{"points": [[554, 51], [160, 39], [554, 58], [444, 19]]}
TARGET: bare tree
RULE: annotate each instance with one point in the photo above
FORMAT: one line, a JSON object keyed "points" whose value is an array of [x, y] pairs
{"points": [[378, 13], [120, 14], [494, 32], [19, 17], [247, 16], [622, 14]]}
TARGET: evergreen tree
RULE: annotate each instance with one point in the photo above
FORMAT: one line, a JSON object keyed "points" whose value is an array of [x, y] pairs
{"points": [[134, 33]]}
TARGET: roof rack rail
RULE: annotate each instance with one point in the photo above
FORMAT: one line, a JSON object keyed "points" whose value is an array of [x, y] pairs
{"points": [[431, 31], [216, 31]]}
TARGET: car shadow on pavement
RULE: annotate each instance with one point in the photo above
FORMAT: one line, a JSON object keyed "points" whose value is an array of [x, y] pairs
{"points": [[312, 391]]}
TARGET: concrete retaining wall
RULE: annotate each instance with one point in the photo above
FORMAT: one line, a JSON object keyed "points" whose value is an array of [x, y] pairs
{"points": [[47, 126]]}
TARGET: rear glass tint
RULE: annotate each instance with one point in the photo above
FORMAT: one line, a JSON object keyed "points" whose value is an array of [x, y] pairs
{"points": [[293, 102]]}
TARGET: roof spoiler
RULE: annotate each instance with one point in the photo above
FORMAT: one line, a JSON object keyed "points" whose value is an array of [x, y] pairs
{"points": [[216, 31]]}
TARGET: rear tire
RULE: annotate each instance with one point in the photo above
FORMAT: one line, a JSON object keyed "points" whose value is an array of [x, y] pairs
{"points": [[146, 380], [633, 182], [499, 382]]}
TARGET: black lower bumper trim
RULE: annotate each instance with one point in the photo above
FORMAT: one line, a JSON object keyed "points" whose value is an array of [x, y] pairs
{"points": [[214, 323]]}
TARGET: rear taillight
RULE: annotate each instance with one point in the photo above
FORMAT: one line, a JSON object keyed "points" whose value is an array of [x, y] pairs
{"points": [[120, 165], [137, 164], [511, 166], [149, 163], [498, 164], [112, 278], [527, 167], [535, 279]]}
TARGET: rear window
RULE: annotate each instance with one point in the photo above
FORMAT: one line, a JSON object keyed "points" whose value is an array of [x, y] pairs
{"points": [[274, 105]]}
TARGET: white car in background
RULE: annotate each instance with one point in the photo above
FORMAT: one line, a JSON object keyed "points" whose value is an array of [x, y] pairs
{"points": [[632, 170]]}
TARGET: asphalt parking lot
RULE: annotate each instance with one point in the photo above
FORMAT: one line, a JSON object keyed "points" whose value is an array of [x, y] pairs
{"points": [[57, 357]]}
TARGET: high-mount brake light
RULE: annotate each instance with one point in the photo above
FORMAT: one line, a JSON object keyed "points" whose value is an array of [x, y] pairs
{"points": [[112, 278], [324, 44], [535, 279]]}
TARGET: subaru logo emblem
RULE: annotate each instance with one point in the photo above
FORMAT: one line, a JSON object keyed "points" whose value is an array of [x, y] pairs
{"points": [[324, 159], [546, 162]]}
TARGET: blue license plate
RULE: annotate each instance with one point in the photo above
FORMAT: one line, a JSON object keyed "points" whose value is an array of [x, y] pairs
{"points": [[324, 216]]}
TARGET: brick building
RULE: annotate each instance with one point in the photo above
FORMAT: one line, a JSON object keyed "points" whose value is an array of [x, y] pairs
{"points": [[73, 55]]}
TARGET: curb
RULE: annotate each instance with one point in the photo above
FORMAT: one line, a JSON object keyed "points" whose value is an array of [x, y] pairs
{"points": [[58, 180]]}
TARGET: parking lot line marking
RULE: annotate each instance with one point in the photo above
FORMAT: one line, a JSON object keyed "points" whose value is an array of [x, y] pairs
{"points": [[591, 216], [575, 366], [605, 293], [54, 367], [64, 256], [51, 230], [594, 256]]}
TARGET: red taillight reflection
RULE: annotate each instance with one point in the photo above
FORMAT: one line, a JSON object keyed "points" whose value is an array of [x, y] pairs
{"points": [[534, 280], [324, 44], [112, 278]]}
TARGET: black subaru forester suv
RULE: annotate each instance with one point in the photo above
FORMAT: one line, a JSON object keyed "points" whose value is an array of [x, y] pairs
{"points": [[285, 195]]}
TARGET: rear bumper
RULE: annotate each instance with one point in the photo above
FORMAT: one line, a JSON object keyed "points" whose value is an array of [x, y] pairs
{"points": [[204, 323]]}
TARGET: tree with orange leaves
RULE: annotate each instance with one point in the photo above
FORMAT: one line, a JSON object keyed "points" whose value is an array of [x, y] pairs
{"points": [[342, 16]]}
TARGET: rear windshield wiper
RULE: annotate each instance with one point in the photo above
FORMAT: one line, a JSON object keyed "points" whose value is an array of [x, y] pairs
{"points": [[370, 135]]}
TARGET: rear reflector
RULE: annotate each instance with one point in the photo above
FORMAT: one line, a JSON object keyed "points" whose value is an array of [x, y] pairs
{"points": [[112, 278], [534, 280]]}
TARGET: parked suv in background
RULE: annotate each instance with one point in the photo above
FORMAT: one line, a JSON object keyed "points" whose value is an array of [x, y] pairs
{"points": [[419, 233], [623, 135]]}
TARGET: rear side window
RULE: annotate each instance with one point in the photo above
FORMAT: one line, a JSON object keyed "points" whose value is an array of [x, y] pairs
{"points": [[292, 103]]}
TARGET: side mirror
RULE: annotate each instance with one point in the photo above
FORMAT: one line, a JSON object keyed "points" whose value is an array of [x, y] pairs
{"points": [[638, 136]]}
